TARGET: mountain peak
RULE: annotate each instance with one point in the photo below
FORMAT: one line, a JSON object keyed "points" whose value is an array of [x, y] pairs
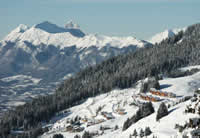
{"points": [[53, 28], [49, 27], [164, 35], [71, 25], [21, 28]]}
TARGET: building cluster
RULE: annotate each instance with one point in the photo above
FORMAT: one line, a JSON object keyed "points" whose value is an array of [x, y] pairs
{"points": [[153, 91], [149, 98]]}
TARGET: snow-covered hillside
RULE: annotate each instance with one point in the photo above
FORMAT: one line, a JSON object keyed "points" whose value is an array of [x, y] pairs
{"points": [[121, 104], [157, 38]]}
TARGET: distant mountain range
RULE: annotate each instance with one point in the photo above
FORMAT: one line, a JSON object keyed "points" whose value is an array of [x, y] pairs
{"points": [[34, 60], [50, 54]]}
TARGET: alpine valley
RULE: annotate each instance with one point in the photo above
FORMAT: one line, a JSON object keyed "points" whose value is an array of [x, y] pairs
{"points": [[79, 85], [34, 60]]}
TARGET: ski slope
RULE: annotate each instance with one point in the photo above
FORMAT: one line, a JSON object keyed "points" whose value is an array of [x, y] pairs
{"points": [[183, 86]]}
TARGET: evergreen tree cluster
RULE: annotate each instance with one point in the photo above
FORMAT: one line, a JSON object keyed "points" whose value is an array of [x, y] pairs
{"points": [[58, 136], [144, 110], [151, 83], [118, 72], [142, 133], [87, 135]]}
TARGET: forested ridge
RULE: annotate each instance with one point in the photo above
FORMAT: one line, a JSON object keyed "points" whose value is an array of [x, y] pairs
{"points": [[118, 72]]}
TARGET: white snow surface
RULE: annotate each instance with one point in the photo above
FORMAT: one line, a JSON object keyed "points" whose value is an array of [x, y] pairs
{"points": [[21, 78], [190, 68], [38, 36], [183, 86], [157, 38]]}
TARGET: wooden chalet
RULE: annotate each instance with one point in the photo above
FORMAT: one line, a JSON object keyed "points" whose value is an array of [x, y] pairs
{"points": [[69, 128], [161, 93], [85, 119], [121, 111], [149, 98], [107, 115], [78, 129]]}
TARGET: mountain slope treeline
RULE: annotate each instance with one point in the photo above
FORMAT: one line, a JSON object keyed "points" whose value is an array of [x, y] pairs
{"points": [[118, 72]]}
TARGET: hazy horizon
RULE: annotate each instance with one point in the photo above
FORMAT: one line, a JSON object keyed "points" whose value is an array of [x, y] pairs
{"points": [[141, 19]]}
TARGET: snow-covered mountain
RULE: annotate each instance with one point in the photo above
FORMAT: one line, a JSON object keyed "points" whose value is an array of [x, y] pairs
{"points": [[157, 38], [50, 34], [128, 101], [51, 53]]}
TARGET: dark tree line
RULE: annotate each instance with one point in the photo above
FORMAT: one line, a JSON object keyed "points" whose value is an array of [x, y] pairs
{"points": [[118, 72], [58, 136]]}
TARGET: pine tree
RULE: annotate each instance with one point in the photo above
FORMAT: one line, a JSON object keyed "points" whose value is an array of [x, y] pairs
{"points": [[58, 136], [86, 135], [162, 111], [77, 136], [147, 131], [141, 133], [135, 133]]}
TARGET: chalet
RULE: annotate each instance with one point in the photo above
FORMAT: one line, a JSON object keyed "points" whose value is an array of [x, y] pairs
{"points": [[68, 120], [171, 95], [107, 115], [161, 93], [154, 91], [84, 120], [78, 129], [149, 98], [69, 128], [105, 127], [99, 121], [121, 111], [90, 123]]}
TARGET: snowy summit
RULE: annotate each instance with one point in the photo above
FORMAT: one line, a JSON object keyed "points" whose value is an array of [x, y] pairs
{"points": [[164, 35], [71, 25], [50, 34]]}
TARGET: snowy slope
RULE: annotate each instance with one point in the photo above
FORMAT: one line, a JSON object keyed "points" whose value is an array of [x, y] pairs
{"points": [[157, 38], [183, 86]]}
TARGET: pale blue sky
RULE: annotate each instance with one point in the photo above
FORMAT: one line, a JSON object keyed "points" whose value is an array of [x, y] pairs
{"points": [[139, 18]]}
